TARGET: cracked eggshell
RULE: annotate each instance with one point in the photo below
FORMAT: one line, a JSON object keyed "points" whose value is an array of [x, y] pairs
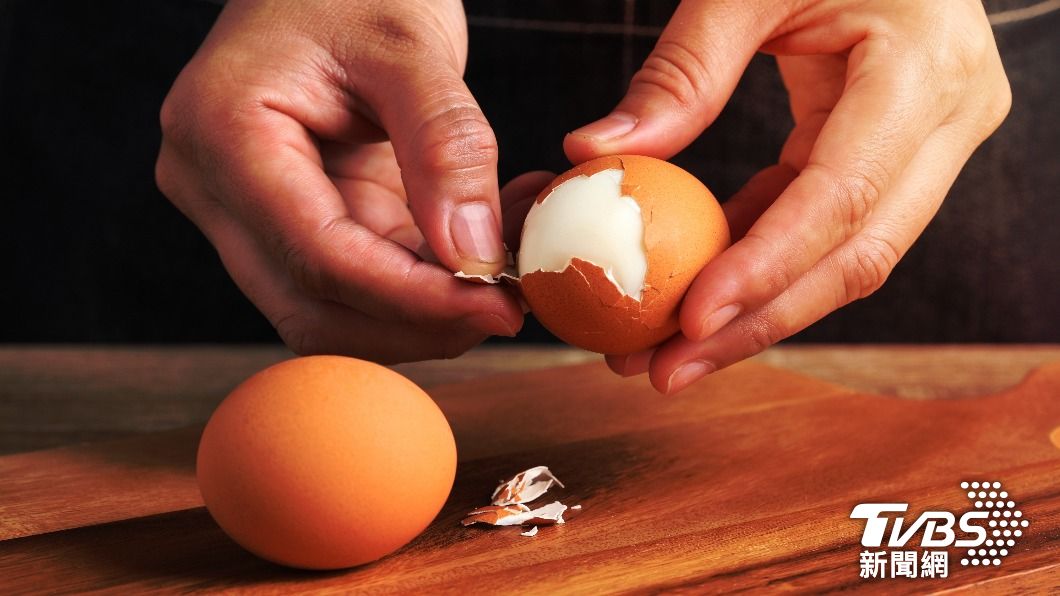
{"points": [[684, 228]]}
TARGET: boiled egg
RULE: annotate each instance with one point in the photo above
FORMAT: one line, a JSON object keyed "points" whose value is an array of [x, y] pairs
{"points": [[610, 247]]}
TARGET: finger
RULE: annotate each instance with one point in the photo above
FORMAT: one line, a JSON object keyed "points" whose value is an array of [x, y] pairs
{"points": [[321, 327], [516, 199], [272, 176], [684, 82], [381, 211], [375, 161], [373, 205], [313, 326], [448, 157], [814, 84], [369, 181], [851, 271], [629, 365], [878, 125], [748, 204]]}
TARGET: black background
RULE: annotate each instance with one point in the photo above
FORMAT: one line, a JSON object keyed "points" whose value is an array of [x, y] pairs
{"points": [[94, 253]]}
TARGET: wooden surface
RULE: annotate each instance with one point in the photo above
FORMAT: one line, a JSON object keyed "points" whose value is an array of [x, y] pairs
{"points": [[744, 482], [51, 396]]}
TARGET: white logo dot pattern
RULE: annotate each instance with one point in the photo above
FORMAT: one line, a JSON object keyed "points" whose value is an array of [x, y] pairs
{"points": [[992, 556]]}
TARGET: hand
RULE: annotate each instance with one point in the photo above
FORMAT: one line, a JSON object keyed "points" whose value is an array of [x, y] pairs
{"points": [[889, 97], [330, 151]]}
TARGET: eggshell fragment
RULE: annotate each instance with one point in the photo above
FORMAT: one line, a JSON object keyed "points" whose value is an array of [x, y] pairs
{"points": [[508, 275], [488, 278], [517, 515], [496, 515], [525, 486], [508, 508], [684, 227]]}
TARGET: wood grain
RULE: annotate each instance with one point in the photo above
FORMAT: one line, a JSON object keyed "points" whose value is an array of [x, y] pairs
{"points": [[745, 482], [59, 395]]}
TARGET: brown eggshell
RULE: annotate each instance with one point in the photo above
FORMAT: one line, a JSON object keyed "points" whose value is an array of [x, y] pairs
{"points": [[325, 462], [684, 228]]}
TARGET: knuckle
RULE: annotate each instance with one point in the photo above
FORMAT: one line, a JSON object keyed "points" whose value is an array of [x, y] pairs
{"points": [[870, 263], [396, 32], [950, 68], [457, 139], [390, 264], [296, 263], [201, 91], [955, 56], [208, 111], [310, 262], [171, 116], [771, 276], [382, 35], [306, 270], [296, 335], [165, 178], [763, 332], [854, 193], [963, 47], [678, 71], [956, 46], [181, 113], [380, 42], [998, 106], [341, 264]]}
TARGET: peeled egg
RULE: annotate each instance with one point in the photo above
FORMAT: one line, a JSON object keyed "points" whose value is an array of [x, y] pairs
{"points": [[325, 462], [610, 247]]}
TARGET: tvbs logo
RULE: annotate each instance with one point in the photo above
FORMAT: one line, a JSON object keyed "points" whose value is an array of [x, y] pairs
{"points": [[988, 531]]}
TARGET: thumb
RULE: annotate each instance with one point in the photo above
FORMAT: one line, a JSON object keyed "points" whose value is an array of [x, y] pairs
{"points": [[448, 157], [683, 84]]}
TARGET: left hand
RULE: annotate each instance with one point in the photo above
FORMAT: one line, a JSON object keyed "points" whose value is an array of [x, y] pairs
{"points": [[890, 99], [332, 153]]}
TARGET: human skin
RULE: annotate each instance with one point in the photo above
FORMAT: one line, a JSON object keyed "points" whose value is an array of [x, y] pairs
{"points": [[889, 97], [325, 148], [332, 154]]}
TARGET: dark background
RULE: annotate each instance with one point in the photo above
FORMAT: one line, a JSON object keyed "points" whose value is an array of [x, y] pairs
{"points": [[94, 253]]}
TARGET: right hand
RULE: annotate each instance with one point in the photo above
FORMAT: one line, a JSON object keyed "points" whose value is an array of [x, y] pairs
{"points": [[332, 154], [890, 98]]}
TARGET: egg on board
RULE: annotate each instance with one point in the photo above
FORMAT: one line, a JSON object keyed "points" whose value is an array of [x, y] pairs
{"points": [[325, 462], [610, 247]]}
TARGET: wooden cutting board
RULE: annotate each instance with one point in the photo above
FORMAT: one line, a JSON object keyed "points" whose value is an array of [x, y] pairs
{"points": [[745, 481]]}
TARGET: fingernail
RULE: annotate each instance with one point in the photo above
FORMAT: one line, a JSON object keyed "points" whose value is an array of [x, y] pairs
{"points": [[686, 374], [475, 233], [489, 323], [609, 127], [717, 320]]}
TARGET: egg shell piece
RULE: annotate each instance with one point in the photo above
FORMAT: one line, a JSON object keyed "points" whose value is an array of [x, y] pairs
{"points": [[582, 307], [326, 462]]}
